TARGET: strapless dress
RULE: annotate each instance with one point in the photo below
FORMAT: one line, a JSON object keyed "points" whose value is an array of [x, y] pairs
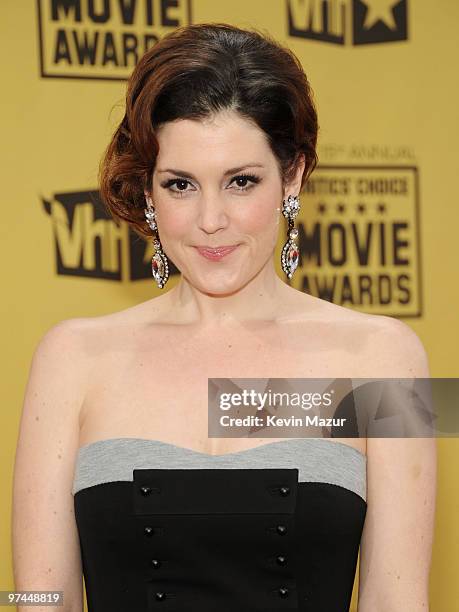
{"points": [[269, 529]]}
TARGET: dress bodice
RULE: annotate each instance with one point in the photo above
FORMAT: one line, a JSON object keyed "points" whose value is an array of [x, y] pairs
{"points": [[271, 528]]}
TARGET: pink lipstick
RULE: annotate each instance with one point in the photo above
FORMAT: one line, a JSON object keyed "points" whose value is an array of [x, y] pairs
{"points": [[217, 253]]}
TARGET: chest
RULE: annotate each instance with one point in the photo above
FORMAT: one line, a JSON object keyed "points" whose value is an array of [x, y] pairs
{"points": [[160, 389]]}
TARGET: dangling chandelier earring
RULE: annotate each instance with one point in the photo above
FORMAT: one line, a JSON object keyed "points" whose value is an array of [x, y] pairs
{"points": [[159, 266], [290, 252]]}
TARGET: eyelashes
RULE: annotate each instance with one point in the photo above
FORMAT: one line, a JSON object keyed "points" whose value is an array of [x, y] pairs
{"points": [[240, 177]]}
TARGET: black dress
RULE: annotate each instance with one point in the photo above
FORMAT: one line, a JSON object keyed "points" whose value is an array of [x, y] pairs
{"points": [[272, 528]]}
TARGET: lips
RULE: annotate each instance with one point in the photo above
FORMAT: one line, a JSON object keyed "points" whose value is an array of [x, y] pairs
{"points": [[217, 248], [216, 253]]}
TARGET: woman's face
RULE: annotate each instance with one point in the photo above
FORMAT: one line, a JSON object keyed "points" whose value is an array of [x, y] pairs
{"points": [[217, 183]]}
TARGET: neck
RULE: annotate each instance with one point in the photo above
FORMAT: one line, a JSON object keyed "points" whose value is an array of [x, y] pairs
{"points": [[260, 299]]}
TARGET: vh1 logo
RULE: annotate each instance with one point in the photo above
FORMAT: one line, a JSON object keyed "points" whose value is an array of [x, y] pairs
{"points": [[351, 22], [89, 243]]}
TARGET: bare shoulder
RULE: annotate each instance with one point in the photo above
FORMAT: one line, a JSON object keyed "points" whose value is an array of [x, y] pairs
{"points": [[61, 345], [67, 334], [87, 337], [69, 347], [135, 316], [398, 350], [59, 370], [381, 346], [75, 349]]}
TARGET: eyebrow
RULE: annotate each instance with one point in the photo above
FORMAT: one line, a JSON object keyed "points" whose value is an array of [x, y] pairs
{"points": [[227, 173]]}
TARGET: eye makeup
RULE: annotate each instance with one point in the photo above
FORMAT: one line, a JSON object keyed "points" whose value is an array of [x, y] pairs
{"points": [[254, 179]]}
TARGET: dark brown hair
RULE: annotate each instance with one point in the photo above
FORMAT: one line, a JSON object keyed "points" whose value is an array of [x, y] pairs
{"points": [[193, 73]]}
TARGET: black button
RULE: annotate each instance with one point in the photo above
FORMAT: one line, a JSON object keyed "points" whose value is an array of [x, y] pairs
{"points": [[284, 491], [145, 490], [281, 529], [148, 530], [281, 560], [283, 592], [156, 563], [160, 596]]}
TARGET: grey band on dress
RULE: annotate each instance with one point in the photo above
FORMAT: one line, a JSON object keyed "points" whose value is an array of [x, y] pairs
{"points": [[317, 459]]}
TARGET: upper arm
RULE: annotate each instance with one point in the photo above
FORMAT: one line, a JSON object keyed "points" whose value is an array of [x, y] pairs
{"points": [[397, 538], [46, 554]]}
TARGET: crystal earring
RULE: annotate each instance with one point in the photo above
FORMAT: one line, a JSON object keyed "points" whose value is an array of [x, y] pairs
{"points": [[290, 252], [159, 266]]}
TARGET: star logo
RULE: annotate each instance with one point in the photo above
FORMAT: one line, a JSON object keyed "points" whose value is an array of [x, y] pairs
{"points": [[380, 10]]}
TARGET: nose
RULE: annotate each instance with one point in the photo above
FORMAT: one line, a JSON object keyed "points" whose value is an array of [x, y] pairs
{"points": [[212, 214]]}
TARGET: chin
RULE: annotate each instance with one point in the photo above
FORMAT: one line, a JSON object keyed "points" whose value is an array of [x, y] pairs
{"points": [[218, 286]]}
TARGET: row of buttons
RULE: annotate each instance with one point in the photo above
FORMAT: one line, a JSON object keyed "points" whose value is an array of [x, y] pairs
{"points": [[282, 591], [146, 490], [281, 529]]}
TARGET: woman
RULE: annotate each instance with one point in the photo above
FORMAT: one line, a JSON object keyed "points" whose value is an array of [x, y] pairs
{"points": [[115, 474]]}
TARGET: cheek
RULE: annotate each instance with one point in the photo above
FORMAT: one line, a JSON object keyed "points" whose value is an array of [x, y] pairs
{"points": [[174, 222], [261, 216], [252, 216]]}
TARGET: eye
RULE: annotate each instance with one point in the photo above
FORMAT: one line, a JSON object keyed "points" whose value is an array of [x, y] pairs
{"points": [[180, 184], [179, 181], [244, 178]]}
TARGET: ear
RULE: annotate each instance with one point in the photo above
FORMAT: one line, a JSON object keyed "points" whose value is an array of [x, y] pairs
{"points": [[294, 185]]}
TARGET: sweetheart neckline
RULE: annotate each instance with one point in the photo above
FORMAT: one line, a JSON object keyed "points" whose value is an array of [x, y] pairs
{"points": [[196, 452]]}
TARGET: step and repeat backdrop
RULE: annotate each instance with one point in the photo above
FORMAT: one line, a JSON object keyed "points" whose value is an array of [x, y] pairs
{"points": [[378, 226]]}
